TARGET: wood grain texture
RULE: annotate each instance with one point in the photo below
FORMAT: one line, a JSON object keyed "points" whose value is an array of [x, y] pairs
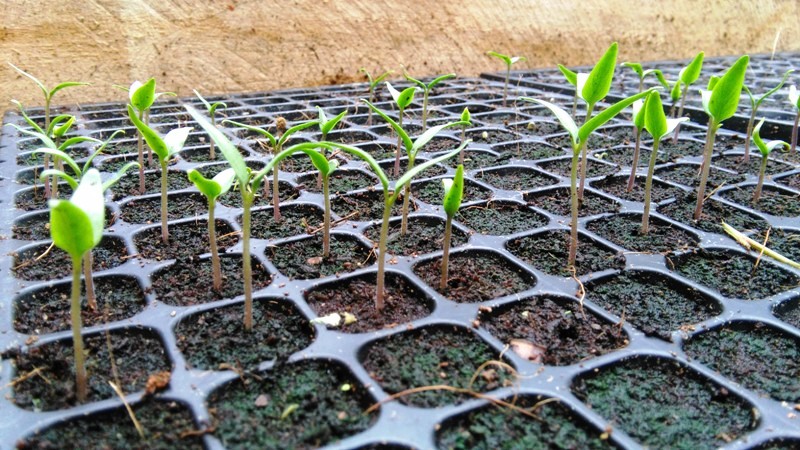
{"points": [[225, 46]]}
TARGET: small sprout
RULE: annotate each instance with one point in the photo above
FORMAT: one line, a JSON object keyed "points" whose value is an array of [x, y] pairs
{"points": [[213, 189], [764, 148], [485, 135], [754, 105], [638, 126], [402, 100], [289, 410], [372, 83], [466, 117], [326, 126], [332, 320], [326, 168], [719, 102], [794, 99], [48, 93], [453, 194], [509, 61], [642, 73], [346, 387], [211, 109], [686, 77], [426, 89], [349, 319]]}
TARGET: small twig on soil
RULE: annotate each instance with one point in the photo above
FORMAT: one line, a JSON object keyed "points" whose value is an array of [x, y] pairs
{"points": [[761, 253], [35, 372], [333, 224], [714, 191], [136, 423], [581, 294], [31, 261]]}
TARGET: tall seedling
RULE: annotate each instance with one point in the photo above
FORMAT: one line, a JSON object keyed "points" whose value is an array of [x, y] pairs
{"points": [[453, 193], [578, 138], [687, 77], [48, 93], [76, 226], [142, 96], [426, 90], [509, 61], [326, 126], [638, 126], [211, 109], [719, 102], [165, 148], [402, 100], [754, 105], [794, 99], [657, 124], [764, 148], [373, 83]]}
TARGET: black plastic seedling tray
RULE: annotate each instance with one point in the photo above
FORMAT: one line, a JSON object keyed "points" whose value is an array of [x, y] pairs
{"points": [[677, 342]]}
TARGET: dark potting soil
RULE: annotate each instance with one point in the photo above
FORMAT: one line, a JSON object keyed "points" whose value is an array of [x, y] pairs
{"points": [[792, 181], [179, 206], [775, 201], [216, 339], [683, 147], [623, 156], [524, 150], [595, 141], [714, 212], [653, 303], [474, 159], [755, 355], [497, 427], [434, 356], [296, 219], [425, 235], [442, 144], [341, 182], [663, 404], [36, 227], [617, 185], [364, 205], [302, 405], [779, 444], [549, 251], [137, 354], [211, 170], [500, 218], [33, 264], [302, 259], [490, 136], [689, 175], [33, 198], [432, 192], [287, 192], [625, 230], [734, 163], [128, 186], [784, 241], [388, 168], [190, 282], [476, 276], [47, 310], [559, 202], [403, 302], [789, 312], [563, 166], [516, 178], [552, 330], [535, 128], [733, 273], [186, 240], [166, 424]]}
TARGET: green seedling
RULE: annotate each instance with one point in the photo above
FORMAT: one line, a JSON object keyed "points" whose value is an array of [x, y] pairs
{"points": [[390, 196], [642, 74], [48, 93], [373, 83], [76, 226], [686, 77], [466, 117], [638, 126], [765, 148], [754, 105], [211, 109], [453, 194], [277, 144], [509, 61], [579, 137], [165, 148], [326, 168], [402, 100], [412, 149], [720, 101], [212, 189], [326, 126], [249, 183], [572, 78], [426, 90], [794, 99], [657, 124]]}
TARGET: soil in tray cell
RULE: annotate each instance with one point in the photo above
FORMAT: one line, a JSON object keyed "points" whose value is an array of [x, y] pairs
{"points": [[36, 227], [403, 302], [190, 282], [623, 156], [128, 186], [784, 241], [734, 273], [663, 404], [789, 312], [46, 310], [515, 178], [754, 355], [775, 201], [562, 167], [532, 151], [211, 170], [546, 425], [474, 159], [651, 302], [689, 175], [714, 212], [475, 276], [215, 339], [287, 192], [793, 181], [549, 251], [365, 205], [303, 405], [388, 168], [179, 206], [734, 163], [341, 182], [33, 198], [558, 201], [683, 148], [167, 425], [296, 219], [138, 354], [432, 192], [186, 240], [41, 262], [302, 259], [617, 185], [434, 356], [625, 230], [425, 235], [500, 218], [552, 330], [490, 136]]}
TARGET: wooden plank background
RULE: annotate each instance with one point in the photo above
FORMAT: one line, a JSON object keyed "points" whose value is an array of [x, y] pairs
{"points": [[225, 46]]}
